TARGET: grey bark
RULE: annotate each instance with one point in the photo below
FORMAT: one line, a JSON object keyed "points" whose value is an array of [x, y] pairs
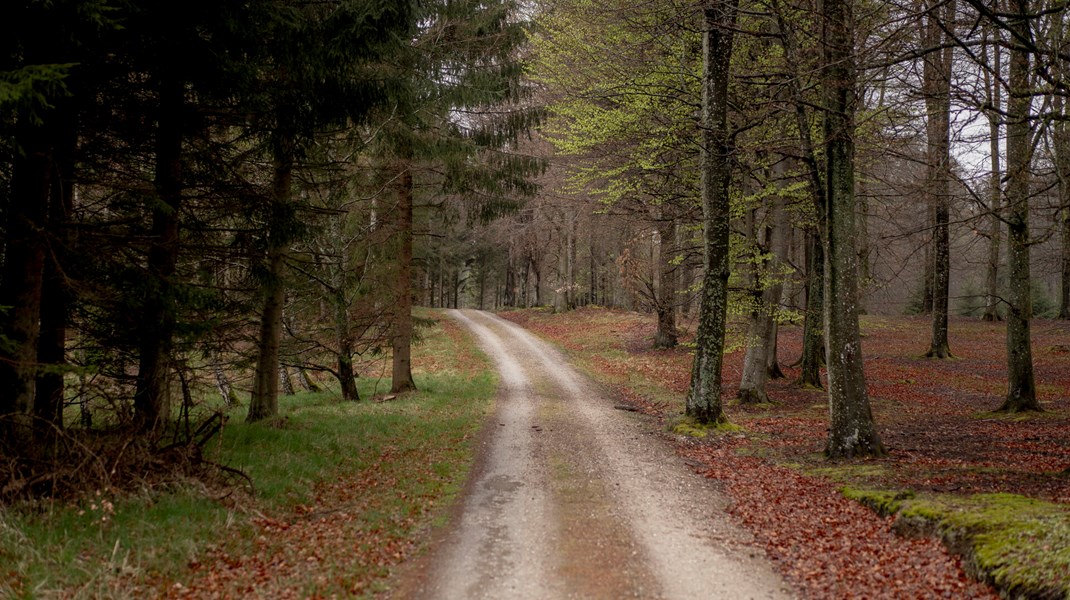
{"points": [[1021, 392], [704, 395], [813, 351], [665, 283], [993, 89], [761, 338], [937, 90], [286, 381], [851, 430]]}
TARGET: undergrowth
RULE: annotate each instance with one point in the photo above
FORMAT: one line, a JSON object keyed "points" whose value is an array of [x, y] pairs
{"points": [[134, 542]]}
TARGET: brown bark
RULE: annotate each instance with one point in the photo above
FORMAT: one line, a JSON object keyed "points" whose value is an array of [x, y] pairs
{"points": [[851, 428], [157, 322], [704, 395], [401, 341], [264, 402], [55, 293], [23, 277]]}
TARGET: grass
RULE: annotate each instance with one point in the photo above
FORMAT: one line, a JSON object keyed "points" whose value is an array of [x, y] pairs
{"points": [[411, 454]]}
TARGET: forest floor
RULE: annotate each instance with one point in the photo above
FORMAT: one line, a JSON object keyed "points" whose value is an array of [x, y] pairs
{"points": [[996, 487]]}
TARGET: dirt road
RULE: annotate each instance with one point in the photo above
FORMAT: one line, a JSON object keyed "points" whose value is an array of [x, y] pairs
{"points": [[571, 498]]}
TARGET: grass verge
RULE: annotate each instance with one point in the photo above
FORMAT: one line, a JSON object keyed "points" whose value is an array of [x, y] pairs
{"points": [[1020, 545], [388, 467]]}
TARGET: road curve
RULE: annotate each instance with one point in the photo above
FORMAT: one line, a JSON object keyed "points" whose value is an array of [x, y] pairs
{"points": [[573, 499]]}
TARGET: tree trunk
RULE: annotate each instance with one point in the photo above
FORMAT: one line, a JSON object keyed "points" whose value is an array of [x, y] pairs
{"points": [[1022, 393], [1064, 296], [226, 391], [23, 277], [761, 339], [993, 87], [347, 377], [1061, 143], [55, 293], [401, 341], [704, 395], [157, 323], [937, 90], [307, 383], [665, 286], [286, 381], [813, 351], [851, 431], [264, 403]]}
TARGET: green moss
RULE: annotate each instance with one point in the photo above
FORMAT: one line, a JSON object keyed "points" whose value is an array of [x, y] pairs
{"points": [[691, 427], [882, 502], [846, 472], [1021, 545]]}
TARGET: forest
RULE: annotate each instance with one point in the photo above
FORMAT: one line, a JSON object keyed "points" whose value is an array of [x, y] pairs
{"points": [[208, 209]]}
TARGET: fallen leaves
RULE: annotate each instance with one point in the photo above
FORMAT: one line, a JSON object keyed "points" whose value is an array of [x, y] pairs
{"points": [[930, 413]]}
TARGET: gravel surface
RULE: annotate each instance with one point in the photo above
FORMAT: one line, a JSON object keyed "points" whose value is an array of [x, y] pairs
{"points": [[574, 499]]}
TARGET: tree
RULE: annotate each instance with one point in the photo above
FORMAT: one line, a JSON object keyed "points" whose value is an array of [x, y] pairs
{"points": [[993, 87], [851, 432], [768, 284], [620, 79], [1022, 392], [459, 111], [320, 72], [813, 351], [704, 395], [937, 92]]}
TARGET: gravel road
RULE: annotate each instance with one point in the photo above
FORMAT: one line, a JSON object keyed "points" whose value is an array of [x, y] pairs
{"points": [[571, 498]]}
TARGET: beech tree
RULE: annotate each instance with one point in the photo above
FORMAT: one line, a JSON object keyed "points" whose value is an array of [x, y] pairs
{"points": [[704, 394], [1021, 393], [937, 92], [851, 431]]}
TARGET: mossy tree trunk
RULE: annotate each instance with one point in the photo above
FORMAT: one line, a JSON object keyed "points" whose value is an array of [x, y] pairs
{"points": [[851, 431], [22, 277], [704, 396], [1022, 392]]}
